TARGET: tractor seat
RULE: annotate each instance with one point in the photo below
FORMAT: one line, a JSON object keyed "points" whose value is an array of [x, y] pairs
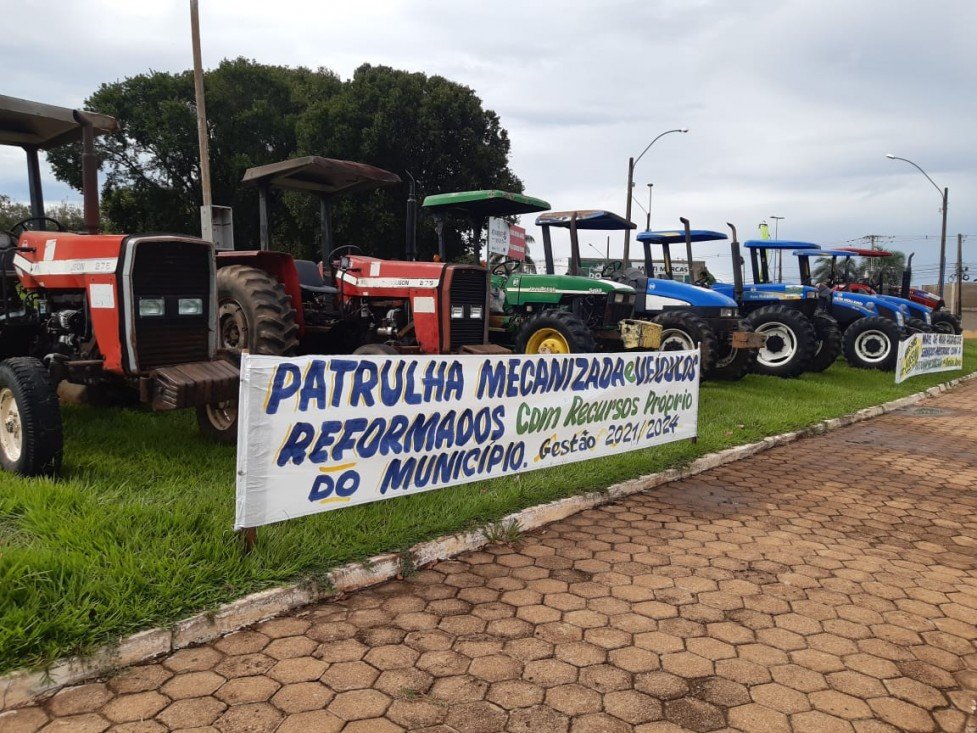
{"points": [[310, 279]]}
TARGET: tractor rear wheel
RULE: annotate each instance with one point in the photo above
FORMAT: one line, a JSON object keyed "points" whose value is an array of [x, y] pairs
{"points": [[253, 313], [555, 332], [872, 343], [946, 322], [31, 441], [731, 364], [791, 341], [829, 342], [684, 331]]}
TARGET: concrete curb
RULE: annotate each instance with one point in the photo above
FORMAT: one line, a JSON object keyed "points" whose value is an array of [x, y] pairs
{"points": [[22, 687]]}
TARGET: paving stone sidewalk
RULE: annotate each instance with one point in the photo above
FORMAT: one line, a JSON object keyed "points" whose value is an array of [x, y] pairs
{"points": [[828, 585]]}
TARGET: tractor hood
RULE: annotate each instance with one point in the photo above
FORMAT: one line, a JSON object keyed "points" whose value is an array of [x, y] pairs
{"points": [[909, 308], [869, 305], [770, 291], [531, 288], [660, 293]]}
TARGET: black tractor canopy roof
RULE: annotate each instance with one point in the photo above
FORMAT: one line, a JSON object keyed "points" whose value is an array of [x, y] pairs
{"points": [[34, 124], [321, 175], [586, 219]]}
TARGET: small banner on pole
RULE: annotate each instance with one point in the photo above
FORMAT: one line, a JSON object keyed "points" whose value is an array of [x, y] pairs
{"points": [[923, 353], [323, 433]]}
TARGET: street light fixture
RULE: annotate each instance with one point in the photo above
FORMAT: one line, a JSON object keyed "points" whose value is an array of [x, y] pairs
{"points": [[632, 162], [944, 194]]}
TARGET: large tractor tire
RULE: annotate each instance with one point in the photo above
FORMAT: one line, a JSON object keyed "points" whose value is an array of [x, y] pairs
{"points": [[872, 343], [684, 331], [555, 332], [31, 441], [791, 341], [946, 322], [731, 364], [253, 313], [828, 348], [918, 325]]}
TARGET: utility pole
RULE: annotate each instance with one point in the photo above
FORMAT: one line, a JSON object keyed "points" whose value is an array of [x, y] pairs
{"points": [[958, 305], [627, 212], [946, 194], [780, 252], [202, 138]]}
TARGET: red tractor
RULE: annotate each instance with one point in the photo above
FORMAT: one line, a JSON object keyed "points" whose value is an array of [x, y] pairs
{"points": [[271, 303], [135, 311]]}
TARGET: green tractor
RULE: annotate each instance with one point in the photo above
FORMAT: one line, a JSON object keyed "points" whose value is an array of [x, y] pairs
{"points": [[546, 313]]}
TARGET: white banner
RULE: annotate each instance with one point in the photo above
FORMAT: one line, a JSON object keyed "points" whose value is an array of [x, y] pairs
{"points": [[923, 353], [322, 433]]}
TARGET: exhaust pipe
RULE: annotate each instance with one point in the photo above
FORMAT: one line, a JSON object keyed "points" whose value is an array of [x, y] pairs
{"points": [[410, 236], [89, 172], [688, 247], [734, 248]]}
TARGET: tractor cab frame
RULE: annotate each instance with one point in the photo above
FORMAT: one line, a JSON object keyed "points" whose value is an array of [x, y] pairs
{"points": [[545, 312]]}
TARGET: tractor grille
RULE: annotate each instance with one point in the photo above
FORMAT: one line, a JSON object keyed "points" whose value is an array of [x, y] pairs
{"points": [[468, 288], [616, 312], [171, 270]]}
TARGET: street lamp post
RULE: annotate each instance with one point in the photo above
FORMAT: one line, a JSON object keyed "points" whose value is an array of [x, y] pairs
{"points": [[648, 222], [632, 162], [780, 252], [944, 194]]}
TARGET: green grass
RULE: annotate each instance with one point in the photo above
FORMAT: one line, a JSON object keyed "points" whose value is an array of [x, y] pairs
{"points": [[137, 532]]}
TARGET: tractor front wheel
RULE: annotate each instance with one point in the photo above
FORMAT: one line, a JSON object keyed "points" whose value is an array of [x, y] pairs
{"points": [[946, 322], [253, 313], [732, 364], [791, 341], [555, 332], [872, 343], [684, 331], [828, 348], [31, 441]]}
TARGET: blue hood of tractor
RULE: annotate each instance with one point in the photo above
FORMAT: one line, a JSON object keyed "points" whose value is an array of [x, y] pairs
{"points": [[869, 305], [769, 292], [684, 293], [909, 308]]}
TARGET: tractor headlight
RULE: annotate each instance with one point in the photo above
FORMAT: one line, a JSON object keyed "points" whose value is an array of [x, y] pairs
{"points": [[811, 294], [151, 307], [727, 312], [457, 311], [618, 297], [191, 306], [928, 318], [900, 319], [475, 311]]}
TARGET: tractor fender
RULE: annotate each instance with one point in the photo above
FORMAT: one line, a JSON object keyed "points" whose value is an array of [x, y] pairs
{"points": [[279, 265]]}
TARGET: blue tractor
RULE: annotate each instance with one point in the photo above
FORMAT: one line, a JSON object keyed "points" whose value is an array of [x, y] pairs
{"points": [[783, 318], [872, 325], [691, 317]]}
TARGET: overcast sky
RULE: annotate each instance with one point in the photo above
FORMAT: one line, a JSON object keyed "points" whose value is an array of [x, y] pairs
{"points": [[791, 104]]}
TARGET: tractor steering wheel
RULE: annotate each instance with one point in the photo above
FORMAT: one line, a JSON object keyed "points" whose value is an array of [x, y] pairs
{"points": [[349, 247], [506, 267], [611, 268], [22, 224]]}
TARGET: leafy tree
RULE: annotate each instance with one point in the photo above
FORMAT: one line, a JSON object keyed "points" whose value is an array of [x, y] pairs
{"points": [[152, 172], [70, 215], [259, 114], [401, 121]]}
